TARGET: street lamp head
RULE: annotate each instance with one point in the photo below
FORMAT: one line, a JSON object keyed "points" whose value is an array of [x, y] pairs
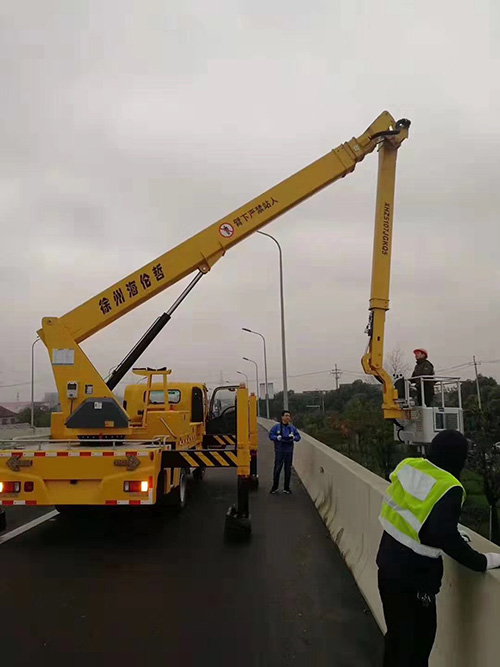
{"points": [[254, 332]]}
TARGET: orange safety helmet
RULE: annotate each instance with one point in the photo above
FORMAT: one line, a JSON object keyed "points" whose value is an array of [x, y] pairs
{"points": [[421, 349]]}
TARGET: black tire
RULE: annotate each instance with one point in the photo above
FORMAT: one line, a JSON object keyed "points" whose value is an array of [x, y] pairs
{"points": [[176, 499]]}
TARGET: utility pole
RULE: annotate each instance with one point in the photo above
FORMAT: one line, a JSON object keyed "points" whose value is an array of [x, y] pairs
{"points": [[477, 384], [336, 373]]}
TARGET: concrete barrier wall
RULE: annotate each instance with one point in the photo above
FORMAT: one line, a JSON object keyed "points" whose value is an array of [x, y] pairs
{"points": [[348, 498], [10, 433]]}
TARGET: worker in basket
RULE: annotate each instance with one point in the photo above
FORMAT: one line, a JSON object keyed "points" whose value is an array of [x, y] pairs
{"points": [[423, 367]]}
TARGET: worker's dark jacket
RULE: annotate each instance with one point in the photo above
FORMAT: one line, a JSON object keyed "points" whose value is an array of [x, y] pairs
{"points": [[409, 570], [423, 367]]}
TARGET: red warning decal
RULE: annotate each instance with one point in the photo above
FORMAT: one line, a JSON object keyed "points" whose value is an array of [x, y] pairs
{"points": [[226, 230]]}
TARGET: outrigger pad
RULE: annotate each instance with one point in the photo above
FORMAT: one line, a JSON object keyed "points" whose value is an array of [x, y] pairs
{"points": [[98, 413]]}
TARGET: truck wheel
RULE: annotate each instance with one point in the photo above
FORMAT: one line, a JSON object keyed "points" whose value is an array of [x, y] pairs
{"points": [[177, 497], [199, 473]]}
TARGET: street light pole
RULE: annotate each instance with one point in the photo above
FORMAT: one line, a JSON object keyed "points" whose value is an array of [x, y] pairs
{"points": [[33, 382], [282, 306], [246, 376], [256, 382], [265, 367]]}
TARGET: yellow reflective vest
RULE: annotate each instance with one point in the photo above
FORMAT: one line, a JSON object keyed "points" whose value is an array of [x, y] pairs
{"points": [[416, 486]]}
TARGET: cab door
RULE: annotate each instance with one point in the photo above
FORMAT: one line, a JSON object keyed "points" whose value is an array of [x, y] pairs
{"points": [[221, 420]]}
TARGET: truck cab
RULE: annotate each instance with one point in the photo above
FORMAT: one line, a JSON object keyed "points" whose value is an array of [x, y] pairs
{"points": [[160, 408]]}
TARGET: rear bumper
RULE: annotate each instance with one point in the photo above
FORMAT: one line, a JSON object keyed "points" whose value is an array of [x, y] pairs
{"points": [[79, 478]]}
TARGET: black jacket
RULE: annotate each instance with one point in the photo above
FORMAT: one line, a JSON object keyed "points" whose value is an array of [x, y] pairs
{"points": [[423, 367], [401, 565]]}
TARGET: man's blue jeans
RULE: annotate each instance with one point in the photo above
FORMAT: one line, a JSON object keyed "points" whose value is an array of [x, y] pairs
{"points": [[283, 456]]}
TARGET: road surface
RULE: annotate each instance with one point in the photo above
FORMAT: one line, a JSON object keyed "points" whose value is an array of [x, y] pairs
{"points": [[137, 590]]}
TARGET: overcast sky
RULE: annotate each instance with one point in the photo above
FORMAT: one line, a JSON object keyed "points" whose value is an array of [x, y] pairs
{"points": [[128, 126]]}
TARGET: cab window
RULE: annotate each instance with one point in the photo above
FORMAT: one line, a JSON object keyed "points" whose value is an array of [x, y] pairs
{"points": [[157, 397], [197, 412]]}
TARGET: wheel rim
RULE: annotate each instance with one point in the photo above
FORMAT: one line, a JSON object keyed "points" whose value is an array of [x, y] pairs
{"points": [[182, 488]]}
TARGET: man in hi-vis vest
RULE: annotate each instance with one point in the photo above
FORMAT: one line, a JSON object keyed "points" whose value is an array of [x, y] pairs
{"points": [[420, 516]]}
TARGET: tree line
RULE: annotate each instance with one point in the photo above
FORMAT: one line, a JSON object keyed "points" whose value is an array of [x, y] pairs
{"points": [[349, 419]]}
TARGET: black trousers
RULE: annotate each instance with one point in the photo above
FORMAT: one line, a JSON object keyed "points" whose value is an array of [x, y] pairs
{"points": [[282, 457], [428, 397], [411, 622]]}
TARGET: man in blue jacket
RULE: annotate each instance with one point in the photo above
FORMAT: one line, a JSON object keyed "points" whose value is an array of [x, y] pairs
{"points": [[283, 435]]}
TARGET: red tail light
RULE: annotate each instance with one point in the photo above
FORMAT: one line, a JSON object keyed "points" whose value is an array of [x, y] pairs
{"points": [[136, 487], [10, 487]]}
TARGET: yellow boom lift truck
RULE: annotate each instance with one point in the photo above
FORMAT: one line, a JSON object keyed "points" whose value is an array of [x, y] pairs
{"points": [[101, 453]]}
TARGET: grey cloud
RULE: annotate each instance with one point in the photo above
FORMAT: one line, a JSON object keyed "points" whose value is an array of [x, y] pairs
{"points": [[127, 127]]}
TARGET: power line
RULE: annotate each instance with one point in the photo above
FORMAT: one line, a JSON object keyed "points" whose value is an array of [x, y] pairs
{"points": [[468, 364], [355, 373], [453, 368], [297, 375], [301, 375], [329, 370]]}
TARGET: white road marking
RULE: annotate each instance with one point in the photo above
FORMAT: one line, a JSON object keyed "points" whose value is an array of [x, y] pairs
{"points": [[27, 526]]}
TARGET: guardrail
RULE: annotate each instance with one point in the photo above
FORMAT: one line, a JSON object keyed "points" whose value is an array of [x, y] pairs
{"points": [[348, 498], [22, 431]]}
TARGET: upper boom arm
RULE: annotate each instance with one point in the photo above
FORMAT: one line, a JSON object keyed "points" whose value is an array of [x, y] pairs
{"points": [[204, 249], [373, 360]]}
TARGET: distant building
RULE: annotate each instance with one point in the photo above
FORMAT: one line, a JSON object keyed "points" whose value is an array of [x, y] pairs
{"points": [[7, 416], [51, 398]]}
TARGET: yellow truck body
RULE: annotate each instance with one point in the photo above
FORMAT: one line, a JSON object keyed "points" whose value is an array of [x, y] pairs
{"points": [[163, 444]]}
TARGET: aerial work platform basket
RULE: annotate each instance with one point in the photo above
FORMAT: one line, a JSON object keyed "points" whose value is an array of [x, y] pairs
{"points": [[431, 404]]}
